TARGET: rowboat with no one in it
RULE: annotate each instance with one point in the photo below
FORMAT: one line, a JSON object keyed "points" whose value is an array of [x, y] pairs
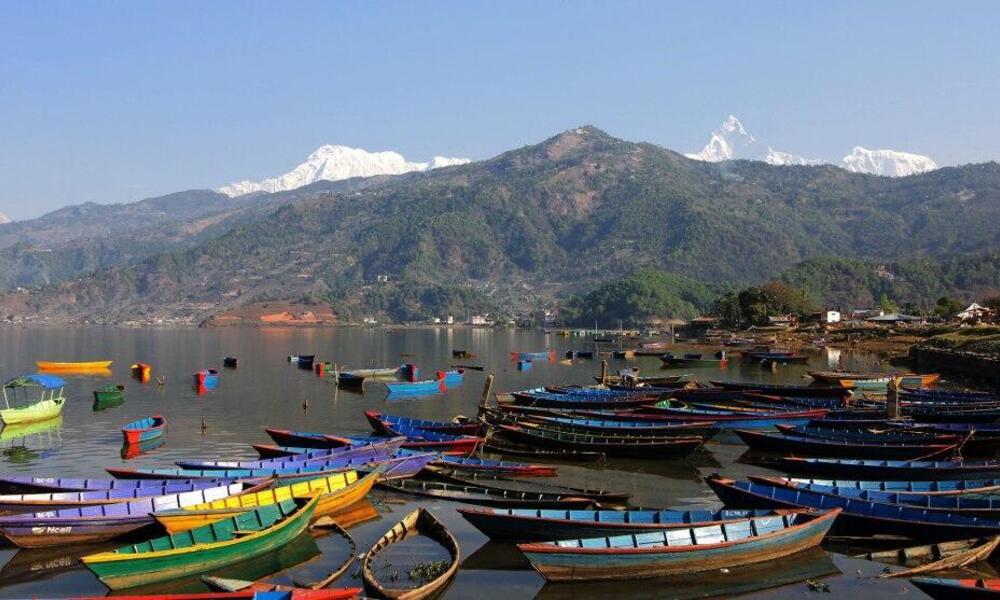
{"points": [[141, 371], [97, 365], [109, 394], [419, 522], [144, 430]]}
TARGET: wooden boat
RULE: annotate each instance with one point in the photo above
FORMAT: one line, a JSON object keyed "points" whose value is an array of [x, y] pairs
{"points": [[703, 429], [785, 390], [540, 397], [452, 377], [718, 359], [957, 589], [605, 498], [474, 465], [141, 371], [207, 378], [811, 446], [47, 501], [860, 517], [888, 470], [305, 361], [26, 484], [484, 496], [870, 434], [259, 589], [636, 447], [337, 491], [97, 365], [230, 362], [333, 524], [523, 365], [727, 419], [109, 394], [562, 454], [406, 388], [973, 504], [88, 524], [47, 406], [419, 522], [249, 534], [548, 355], [380, 449], [909, 379], [144, 430], [275, 593], [936, 557], [539, 525], [383, 424], [678, 551], [947, 396], [944, 487]]}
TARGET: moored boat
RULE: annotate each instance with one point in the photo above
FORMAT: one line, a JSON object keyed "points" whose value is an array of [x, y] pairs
{"points": [[144, 430], [887, 470], [207, 379], [109, 394], [628, 446], [941, 588], [485, 496], [97, 365], [141, 371], [719, 359], [383, 424], [415, 388], [46, 407], [677, 551], [786, 443], [197, 551], [419, 522]]}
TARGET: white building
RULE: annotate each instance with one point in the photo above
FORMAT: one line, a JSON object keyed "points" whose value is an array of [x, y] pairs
{"points": [[831, 316]]}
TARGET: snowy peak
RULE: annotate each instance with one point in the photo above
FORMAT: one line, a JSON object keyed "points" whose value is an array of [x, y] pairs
{"points": [[333, 163], [4, 218], [891, 163], [731, 141]]}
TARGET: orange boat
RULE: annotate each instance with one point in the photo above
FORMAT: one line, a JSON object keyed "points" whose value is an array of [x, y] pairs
{"points": [[142, 372], [99, 365]]}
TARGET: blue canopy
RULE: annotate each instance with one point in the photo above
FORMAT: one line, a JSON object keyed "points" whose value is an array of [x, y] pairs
{"points": [[49, 382]]}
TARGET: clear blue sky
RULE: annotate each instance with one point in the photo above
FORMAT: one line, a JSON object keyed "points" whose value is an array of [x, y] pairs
{"points": [[115, 101]]}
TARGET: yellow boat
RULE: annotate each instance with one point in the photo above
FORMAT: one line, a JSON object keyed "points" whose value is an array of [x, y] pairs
{"points": [[48, 406], [337, 492], [73, 366]]}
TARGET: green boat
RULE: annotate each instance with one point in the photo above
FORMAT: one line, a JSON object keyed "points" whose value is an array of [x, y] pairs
{"points": [[204, 549], [109, 394]]}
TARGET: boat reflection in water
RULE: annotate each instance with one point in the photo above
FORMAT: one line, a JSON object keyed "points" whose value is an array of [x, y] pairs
{"points": [[300, 550], [134, 450], [78, 372], [810, 564], [40, 564], [25, 442]]}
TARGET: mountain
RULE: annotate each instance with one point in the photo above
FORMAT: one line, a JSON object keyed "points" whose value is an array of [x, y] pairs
{"points": [[887, 162], [533, 227], [334, 163], [731, 141], [4, 218]]}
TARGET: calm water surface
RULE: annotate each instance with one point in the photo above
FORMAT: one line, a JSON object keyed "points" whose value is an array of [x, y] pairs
{"points": [[267, 391]]}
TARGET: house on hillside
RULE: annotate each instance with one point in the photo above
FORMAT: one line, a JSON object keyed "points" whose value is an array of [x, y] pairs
{"points": [[893, 318], [975, 312], [825, 316]]}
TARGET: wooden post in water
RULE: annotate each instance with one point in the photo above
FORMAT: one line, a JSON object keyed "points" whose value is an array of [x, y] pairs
{"points": [[892, 398], [487, 390], [604, 371]]}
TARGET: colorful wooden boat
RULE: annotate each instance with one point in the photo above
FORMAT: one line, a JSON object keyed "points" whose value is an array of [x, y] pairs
{"points": [[934, 557], [725, 419], [46, 501], [548, 355], [943, 487], [337, 492], [702, 429], [786, 443], [453, 377], [539, 525], [109, 394], [626, 446], [89, 524], [859, 517], [472, 464], [562, 454], [697, 359], [144, 430], [201, 550], [97, 365], [381, 449], [26, 484], [909, 379], [484, 496], [948, 396], [970, 504], [816, 391], [141, 371], [406, 388], [541, 397], [419, 522], [888, 470], [207, 379], [870, 434], [600, 496], [49, 404], [678, 551], [305, 361], [383, 423], [957, 589]]}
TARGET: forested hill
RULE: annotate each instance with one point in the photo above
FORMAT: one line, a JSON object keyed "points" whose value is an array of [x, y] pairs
{"points": [[546, 221]]}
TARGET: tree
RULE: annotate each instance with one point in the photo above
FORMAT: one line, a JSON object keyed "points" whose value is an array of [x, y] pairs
{"points": [[886, 305], [947, 308]]}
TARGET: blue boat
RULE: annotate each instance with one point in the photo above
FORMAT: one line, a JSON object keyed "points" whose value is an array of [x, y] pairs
{"points": [[144, 430], [423, 439], [380, 451], [385, 424], [26, 484], [523, 365], [947, 396], [891, 470], [537, 525], [859, 517], [970, 503], [38, 502], [679, 551], [705, 429], [207, 379], [416, 388], [453, 377], [954, 486], [548, 355]]}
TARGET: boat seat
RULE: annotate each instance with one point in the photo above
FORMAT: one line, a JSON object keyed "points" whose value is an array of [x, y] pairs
{"points": [[711, 534]]}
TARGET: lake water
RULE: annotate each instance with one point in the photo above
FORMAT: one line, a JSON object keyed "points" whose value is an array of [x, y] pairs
{"points": [[268, 391]]}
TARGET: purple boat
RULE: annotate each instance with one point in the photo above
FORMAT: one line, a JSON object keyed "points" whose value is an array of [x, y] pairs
{"points": [[20, 484], [21, 503], [395, 467], [380, 450], [104, 522]]}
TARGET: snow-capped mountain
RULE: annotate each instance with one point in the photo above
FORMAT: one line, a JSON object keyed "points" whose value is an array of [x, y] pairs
{"points": [[887, 162], [732, 141], [332, 163], [4, 218]]}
